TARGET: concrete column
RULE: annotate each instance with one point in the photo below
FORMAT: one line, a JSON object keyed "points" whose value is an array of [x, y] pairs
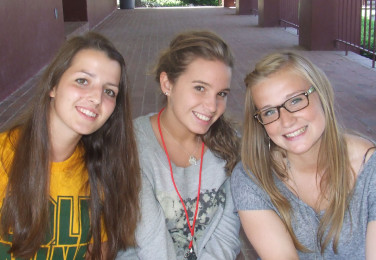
{"points": [[245, 6], [268, 13], [317, 24]]}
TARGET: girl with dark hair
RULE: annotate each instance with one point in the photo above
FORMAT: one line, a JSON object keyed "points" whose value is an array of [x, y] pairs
{"points": [[187, 152], [69, 172]]}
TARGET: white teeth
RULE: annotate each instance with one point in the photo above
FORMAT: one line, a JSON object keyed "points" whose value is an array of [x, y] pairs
{"points": [[87, 112], [202, 117], [297, 132]]}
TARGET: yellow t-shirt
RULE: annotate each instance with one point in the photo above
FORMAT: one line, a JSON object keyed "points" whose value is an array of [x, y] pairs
{"points": [[69, 209]]}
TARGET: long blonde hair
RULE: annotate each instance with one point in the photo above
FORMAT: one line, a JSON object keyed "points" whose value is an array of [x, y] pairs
{"points": [[258, 151]]}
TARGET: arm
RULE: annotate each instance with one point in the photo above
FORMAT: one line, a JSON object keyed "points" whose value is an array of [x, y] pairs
{"points": [[267, 234], [260, 222], [371, 240], [224, 242]]}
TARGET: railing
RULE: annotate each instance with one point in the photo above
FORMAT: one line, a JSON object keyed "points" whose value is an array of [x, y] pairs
{"points": [[289, 10], [356, 29]]}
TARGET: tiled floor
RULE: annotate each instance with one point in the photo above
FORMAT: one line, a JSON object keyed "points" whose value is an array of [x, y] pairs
{"points": [[140, 34]]}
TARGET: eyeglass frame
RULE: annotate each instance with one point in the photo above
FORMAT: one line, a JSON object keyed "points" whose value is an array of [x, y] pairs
{"points": [[306, 94]]}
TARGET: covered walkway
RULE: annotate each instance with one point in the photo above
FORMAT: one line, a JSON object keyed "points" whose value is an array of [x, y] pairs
{"points": [[140, 34]]}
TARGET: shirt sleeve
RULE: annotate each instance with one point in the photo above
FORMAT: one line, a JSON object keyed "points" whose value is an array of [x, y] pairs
{"points": [[247, 195], [371, 166]]}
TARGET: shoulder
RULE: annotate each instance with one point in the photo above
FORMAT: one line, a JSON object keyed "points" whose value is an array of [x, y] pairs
{"points": [[143, 129], [142, 121], [242, 179], [8, 143], [359, 149]]}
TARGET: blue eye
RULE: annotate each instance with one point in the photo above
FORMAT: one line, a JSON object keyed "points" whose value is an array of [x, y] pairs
{"points": [[268, 112], [296, 100]]}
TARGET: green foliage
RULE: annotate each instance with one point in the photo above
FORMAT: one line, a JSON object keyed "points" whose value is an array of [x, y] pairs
{"points": [[202, 2], [365, 41]]}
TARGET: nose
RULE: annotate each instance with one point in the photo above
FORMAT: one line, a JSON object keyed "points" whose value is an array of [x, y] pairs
{"points": [[286, 118], [95, 95], [211, 104]]}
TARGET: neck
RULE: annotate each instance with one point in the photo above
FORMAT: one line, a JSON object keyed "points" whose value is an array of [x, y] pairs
{"points": [[303, 163], [178, 132], [62, 147]]}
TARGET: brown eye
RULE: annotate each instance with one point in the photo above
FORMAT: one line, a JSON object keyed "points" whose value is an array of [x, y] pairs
{"points": [[110, 92], [82, 81]]}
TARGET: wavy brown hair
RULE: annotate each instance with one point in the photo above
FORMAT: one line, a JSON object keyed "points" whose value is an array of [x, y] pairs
{"points": [[110, 156], [336, 183], [222, 138]]}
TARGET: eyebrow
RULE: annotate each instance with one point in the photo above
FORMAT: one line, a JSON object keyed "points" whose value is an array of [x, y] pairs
{"points": [[292, 95], [93, 76], [207, 84]]}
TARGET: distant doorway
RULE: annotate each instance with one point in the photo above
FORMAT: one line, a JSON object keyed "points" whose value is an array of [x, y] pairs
{"points": [[75, 17]]}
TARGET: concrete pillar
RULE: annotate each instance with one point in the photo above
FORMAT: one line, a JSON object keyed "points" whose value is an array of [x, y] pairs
{"points": [[245, 6], [268, 13], [317, 24], [229, 3]]}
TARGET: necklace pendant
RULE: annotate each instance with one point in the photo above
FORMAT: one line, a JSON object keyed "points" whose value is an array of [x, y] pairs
{"points": [[190, 255], [192, 160]]}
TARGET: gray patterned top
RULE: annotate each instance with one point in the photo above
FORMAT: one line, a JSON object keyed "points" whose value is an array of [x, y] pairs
{"points": [[217, 225], [249, 196]]}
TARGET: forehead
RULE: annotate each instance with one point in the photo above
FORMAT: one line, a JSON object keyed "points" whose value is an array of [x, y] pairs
{"points": [[212, 72], [277, 87]]}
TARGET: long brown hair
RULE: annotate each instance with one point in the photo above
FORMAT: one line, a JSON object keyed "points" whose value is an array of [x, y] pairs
{"points": [[110, 156], [258, 152], [222, 138]]}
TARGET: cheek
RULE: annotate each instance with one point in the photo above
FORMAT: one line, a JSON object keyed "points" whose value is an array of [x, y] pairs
{"points": [[271, 130], [109, 105]]}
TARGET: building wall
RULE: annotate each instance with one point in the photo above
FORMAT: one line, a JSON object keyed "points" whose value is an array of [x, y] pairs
{"points": [[97, 10], [30, 35]]}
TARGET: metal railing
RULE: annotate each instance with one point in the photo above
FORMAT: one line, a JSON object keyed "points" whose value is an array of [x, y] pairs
{"points": [[288, 14], [356, 19]]}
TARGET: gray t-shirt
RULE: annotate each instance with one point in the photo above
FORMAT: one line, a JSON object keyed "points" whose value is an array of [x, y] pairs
{"points": [[249, 196], [217, 224]]}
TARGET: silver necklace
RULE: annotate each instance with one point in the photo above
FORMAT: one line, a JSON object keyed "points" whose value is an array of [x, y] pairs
{"points": [[192, 159]]}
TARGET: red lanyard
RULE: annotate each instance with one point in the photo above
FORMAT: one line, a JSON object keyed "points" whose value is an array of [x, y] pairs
{"points": [[191, 228]]}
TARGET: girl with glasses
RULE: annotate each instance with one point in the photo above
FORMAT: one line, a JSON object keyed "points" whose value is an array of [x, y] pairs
{"points": [[187, 151], [304, 189], [69, 173]]}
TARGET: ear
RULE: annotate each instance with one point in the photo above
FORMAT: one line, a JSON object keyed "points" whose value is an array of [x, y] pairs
{"points": [[53, 92], [165, 84]]}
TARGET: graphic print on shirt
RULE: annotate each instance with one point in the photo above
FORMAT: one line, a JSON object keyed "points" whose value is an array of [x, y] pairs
{"points": [[176, 221], [68, 238]]}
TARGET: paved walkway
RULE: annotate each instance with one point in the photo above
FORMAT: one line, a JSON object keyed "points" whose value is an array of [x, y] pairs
{"points": [[140, 34]]}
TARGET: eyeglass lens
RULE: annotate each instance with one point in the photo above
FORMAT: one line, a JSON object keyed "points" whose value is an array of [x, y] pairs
{"points": [[292, 105]]}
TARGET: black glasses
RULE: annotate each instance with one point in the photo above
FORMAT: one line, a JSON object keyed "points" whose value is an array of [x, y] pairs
{"points": [[294, 104]]}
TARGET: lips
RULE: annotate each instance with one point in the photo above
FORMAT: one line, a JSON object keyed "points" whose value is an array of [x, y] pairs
{"points": [[201, 116], [297, 132], [87, 112]]}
